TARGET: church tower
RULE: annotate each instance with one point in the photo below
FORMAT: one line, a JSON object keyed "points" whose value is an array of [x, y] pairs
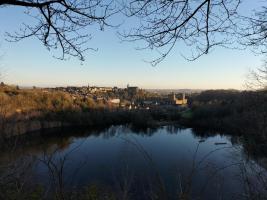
{"points": [[173, 96]]}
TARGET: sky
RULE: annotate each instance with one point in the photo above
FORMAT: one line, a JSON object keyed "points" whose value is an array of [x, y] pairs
{"points": [[30, 64]]}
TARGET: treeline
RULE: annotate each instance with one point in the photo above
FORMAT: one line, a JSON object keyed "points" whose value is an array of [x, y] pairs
{"points": [[217, 95], [50, 105], [238, 111], [27, 104]]}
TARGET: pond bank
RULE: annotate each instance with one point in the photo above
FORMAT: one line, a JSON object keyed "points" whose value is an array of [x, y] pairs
{"points": [[18, 128]]}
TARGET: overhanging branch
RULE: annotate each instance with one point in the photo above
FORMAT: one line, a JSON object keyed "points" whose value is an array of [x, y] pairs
{"points": [[27, 4]]}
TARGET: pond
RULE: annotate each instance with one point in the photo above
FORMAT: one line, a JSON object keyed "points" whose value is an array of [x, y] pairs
{"points": [[198, 163]]}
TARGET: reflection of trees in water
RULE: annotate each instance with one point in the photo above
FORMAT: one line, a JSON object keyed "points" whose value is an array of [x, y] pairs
{"points": [[50, 139], [109, 132], [205, 133], [143, 131], [249, 154], [254, 148], [150, 132], [174, 129]]}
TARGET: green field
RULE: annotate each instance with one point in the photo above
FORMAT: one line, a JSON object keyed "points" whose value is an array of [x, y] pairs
{"points": [[188, 114]]}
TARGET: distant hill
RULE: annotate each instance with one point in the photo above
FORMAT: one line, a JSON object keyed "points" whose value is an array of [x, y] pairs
{"points": [[174, 90], [25, 87]]}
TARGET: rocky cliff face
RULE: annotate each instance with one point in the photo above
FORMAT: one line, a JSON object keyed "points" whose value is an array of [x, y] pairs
{"points": [[17, 128]]}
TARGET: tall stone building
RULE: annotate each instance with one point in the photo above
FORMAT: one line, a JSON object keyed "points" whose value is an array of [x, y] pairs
{"points": [[175, 101]]}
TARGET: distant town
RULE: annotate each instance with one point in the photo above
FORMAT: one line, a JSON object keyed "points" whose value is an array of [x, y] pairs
{"points": [[131, 97]]}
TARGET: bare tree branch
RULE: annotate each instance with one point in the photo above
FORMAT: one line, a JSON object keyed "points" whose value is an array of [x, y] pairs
{"points": [[202, 25], [60, 23]]}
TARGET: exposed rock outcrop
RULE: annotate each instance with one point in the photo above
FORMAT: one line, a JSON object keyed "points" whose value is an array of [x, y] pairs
{"points": [[17, 128]]}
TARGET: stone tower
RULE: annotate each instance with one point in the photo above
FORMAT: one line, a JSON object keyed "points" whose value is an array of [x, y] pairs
{"points": [[173, 96]]}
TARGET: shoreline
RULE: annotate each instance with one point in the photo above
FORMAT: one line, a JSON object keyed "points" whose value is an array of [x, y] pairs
{"points": [[18, 128]]}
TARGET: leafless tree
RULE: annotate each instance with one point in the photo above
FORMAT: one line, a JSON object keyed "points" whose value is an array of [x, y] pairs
{"points": [[257, 79], [251, 173], [255, 100], [201, 24], [3, 66], [59, 22], [254, 30], [4, 107], [124, 184], [153, 166]]}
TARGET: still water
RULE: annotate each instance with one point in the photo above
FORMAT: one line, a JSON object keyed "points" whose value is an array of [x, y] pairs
{"points": [[207, 161]]}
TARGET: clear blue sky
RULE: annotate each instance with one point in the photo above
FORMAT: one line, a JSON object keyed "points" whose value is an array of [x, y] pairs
{"points": [[117, 64]]}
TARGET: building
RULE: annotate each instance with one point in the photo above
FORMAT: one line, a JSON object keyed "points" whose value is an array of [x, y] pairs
{"points": [[115, 89], [115, 101], [132, 89], [108, 88], [175, 101]]}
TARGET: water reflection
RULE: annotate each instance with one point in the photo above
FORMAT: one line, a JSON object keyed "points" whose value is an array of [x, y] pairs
{"points": [[64, 137], [172, 148]]}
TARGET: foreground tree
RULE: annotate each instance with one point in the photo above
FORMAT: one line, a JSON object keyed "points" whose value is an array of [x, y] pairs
{"points": [[256, 100], [3, 66], [60, 23], [200, 24]]}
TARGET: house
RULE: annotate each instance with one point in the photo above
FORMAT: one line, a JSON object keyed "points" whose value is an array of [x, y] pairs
{"points": [[115, 101], [108, 88]]}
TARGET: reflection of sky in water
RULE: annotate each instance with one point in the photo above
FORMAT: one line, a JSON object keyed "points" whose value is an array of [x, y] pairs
{"points": [[171, 149]]}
